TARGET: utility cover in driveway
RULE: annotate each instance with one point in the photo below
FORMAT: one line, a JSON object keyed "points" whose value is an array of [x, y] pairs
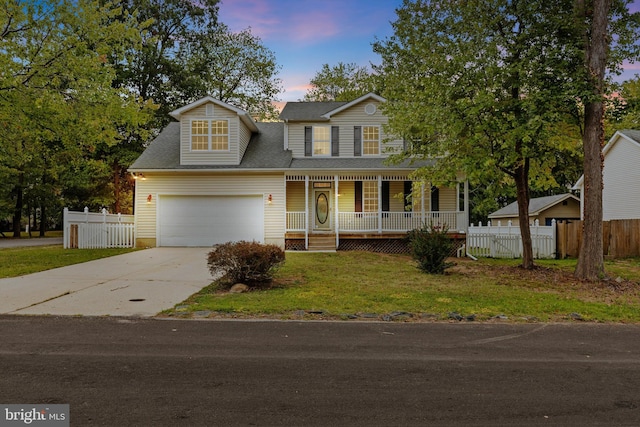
{"points": [[209, 220]]}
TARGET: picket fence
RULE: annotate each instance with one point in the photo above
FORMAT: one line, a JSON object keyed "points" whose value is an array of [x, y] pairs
{"points": [[87, 230], [506, 242]]}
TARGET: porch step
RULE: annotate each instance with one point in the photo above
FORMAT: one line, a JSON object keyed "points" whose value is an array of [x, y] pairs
{"points": [[322, 242]]}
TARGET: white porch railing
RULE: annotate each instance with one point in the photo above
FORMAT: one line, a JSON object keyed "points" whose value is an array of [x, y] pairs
{"points": [[296, 221], [86, 230], [505, 241], [361, 222]]}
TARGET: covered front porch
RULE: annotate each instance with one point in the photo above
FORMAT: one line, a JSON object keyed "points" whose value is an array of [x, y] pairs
{"points": [[325, 210]]}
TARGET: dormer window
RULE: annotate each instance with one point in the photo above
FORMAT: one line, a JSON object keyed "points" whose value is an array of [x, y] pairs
{"points": [[209, 135]]}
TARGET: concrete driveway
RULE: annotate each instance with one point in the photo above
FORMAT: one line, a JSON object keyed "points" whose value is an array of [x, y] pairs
{"points": [[140, 284]]}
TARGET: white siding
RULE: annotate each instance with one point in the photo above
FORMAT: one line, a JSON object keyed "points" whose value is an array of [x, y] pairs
{"points": [[448, 199], [231, 157], [244, 138], [211, 185], [346, 120], [621, 175]]}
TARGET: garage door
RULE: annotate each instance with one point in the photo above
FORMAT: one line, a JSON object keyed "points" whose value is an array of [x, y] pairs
{"points": [[206, 221]]}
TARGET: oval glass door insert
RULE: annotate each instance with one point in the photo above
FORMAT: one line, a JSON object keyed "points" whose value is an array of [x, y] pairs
{"points": [[322, 208]]}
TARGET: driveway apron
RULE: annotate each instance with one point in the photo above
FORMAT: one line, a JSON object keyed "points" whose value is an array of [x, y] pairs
{"points": [[140, 284]]}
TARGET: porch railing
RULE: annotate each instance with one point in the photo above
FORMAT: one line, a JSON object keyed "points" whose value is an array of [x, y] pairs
{"points": [[296, 221], [360, 222]]}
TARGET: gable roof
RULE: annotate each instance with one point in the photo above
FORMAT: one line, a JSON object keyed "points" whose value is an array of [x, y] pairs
{"points": [[354, 102], [320, 111], [264, 151], [243, 115], [536, 205], [309, 111], [630, 135]]}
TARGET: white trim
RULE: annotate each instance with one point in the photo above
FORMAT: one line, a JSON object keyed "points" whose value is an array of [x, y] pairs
{"points": [[370, 95], [244, 116], [313, 140], [379, 140], [210, 135]]}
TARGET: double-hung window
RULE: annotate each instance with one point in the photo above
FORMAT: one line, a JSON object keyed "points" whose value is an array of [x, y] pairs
{"points": [[209, 135], [370, 196], [321, 140], [370, 140]]}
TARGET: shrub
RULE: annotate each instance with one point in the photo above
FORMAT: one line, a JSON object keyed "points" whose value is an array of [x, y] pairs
{"points": [[251, 263], [430, 246]]}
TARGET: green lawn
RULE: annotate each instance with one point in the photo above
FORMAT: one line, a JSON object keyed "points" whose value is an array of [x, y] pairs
{"points": [[20, 261], [347, 285]]}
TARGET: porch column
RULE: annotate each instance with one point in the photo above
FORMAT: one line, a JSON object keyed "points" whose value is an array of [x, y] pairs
{"points": [[337, 222], [422, 204], [466, 205], [379, 204], [306, 212]]}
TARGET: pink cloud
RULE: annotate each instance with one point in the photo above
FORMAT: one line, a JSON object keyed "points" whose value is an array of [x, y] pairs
{"points": [[299, 22], [314, 26]]}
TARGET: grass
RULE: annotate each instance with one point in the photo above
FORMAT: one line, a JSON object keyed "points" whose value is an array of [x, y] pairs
{"points": [[350, 284], [20, 261]]}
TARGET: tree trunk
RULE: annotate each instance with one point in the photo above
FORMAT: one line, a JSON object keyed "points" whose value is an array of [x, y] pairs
{"points": [[522, 188], [17, 210], [43, 219], [591, 260], [117, 208]]}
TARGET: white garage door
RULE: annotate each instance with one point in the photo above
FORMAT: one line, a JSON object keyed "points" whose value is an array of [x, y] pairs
{"points": [[208, 220]]}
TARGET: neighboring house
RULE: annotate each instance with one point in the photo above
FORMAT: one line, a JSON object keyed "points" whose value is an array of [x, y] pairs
{"points": [[316, 180], [621, 177], [542, 209]]}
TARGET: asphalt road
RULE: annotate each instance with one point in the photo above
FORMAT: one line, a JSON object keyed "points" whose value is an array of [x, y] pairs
{"points": [[150, 372], [7, 242]]}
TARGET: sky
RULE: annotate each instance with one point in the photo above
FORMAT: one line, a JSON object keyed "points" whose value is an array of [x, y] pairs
{"points": [[305, 34]]}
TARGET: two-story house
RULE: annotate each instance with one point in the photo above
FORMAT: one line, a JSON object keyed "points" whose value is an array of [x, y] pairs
{"points": [[318, 179]]}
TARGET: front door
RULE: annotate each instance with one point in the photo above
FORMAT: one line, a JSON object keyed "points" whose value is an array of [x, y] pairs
{"points": [[322, 210]]}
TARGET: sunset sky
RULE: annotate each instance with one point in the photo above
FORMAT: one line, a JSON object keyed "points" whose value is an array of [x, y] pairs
{"points": [[304, 34]]}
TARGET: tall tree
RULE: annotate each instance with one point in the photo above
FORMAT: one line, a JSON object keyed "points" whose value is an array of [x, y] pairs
{"points": [[591, 260], [56, 96], [342, 82], [150, 70], [624, 110], [480, 86], [610, 34], [234, 67]]}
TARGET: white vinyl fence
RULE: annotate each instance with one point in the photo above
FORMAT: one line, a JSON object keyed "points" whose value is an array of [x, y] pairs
{"points": [[505, 241], [86, 230]]}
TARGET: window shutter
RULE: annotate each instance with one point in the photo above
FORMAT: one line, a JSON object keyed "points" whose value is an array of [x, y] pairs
{"points": [[307, 141], [358, 191], [408, 188], [357, 140], [385, 196], [435, 199], [335, 141]]}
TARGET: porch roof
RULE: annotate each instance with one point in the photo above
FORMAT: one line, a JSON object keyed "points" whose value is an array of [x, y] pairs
{"points": [[353, 163]]}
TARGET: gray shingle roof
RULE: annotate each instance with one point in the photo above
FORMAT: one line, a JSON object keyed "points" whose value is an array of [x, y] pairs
{"points": [[308, 111], [633, 134], [351, 163], [536, 205], [265, 151]]}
